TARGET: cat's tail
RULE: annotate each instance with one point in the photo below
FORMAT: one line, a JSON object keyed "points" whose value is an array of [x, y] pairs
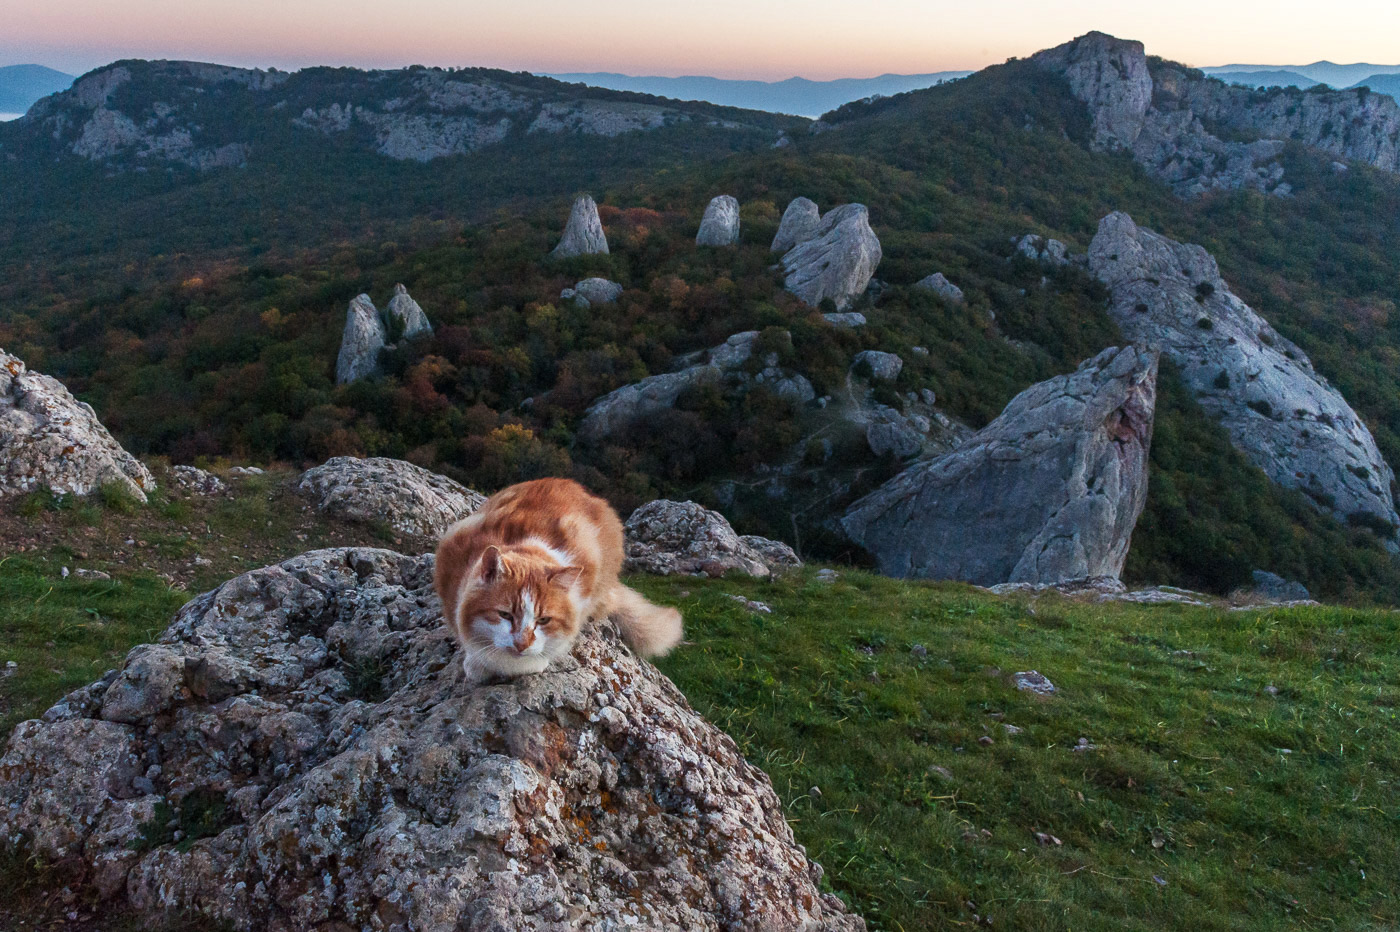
{"points": [[650, 629]]}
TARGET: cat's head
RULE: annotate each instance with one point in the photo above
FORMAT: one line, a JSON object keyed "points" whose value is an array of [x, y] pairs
{"points": [[518, 611]]}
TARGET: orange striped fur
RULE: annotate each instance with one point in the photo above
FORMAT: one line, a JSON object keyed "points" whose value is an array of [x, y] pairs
{"points": [[519, 578]]}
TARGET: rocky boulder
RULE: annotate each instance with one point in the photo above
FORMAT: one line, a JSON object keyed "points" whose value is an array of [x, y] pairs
{"points": [[720, 225], [799, 224], [1271, 587], [51, 440], [197, 481], [598, 291], [1110, 75], [309, 728], [884, 367], [837, 261], [673, 538], [403, 308], [583, 235], [409, 498], [1049, 491], [722, 366], [363, 338], [938, 283], [1041, 249], [1263, 390]]}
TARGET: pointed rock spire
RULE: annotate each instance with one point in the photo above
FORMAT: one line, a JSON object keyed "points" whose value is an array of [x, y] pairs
{"points": [[799, 224], [360, 345], [584, 233], [720, 226], [403, 307]]}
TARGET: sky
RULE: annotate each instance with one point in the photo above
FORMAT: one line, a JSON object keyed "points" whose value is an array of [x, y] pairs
{"points": [[761, 39]]}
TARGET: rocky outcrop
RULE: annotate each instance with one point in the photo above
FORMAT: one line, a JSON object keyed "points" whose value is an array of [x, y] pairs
{"points": [[846, 319], [836, 261], [593, 291], [583, 235], [364, 336], [403, 308], [884, 367], [1049, 491], [1111, 76], [407, 498], [720, 225], [938, 284], [301, 751], [51, 440], [1160, 112], [197, 481], [799, 224], [1044, 250], [723, 366], [668, 538], [144, 113], [1262, 388]]}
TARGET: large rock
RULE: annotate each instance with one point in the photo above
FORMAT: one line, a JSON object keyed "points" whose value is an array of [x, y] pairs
{"points": [[837, 261], [409, 498], [799, 224], [1048, 491], [938, 283], [670, 538], [583, 235], [720, 225], [1278, 410], [722, 366], [1111, 76], [403, 308], [1160, 112], [333, 770], [363, 338], [598, 290], [51, 440]]}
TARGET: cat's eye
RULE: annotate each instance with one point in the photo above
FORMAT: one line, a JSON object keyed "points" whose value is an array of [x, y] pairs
{"points": [[544, 622], [506, 616]]}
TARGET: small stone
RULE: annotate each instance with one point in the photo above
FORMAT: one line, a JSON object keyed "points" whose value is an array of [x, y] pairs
{"points": [[815, 792], [919, 652], [1034, 681], [985, 740], [1271, 689]]}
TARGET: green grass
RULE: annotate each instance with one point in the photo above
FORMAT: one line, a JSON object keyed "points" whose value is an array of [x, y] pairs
{"points": [[1210, 803], [1243, 776], [64, 633]]}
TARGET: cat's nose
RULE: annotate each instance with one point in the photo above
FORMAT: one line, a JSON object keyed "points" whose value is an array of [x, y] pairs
{"points": [[523, 641]]}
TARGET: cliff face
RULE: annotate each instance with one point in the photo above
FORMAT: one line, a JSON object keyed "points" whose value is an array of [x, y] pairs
{"points": [[209, 116], [1262, 388], [1170, 117]]}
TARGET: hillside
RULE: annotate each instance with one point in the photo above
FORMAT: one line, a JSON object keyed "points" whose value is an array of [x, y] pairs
{"points": [[799, 96], [22, 85], [1225, 770], [1264, 78], [239, 350], [1382, 84]]}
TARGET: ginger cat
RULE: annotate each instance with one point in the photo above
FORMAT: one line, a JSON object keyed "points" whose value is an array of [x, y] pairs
{"points": [[519, 578]]}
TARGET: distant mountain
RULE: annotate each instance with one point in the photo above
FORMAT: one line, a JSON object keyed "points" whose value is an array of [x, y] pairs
{"points": [[797, 96], [1265, 79], [1323, 72], [21, 85], [1382, 84]]}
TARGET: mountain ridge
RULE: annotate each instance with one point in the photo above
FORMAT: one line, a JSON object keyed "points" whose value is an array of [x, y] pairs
{"points": [[22, 85]]}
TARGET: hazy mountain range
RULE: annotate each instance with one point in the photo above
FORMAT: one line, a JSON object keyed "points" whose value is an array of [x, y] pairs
{"points": [[798, 96], [21, 85], [1384, 79]]}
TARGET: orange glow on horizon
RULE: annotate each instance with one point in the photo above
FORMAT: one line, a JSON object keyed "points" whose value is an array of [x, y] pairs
{"points": [[818, 39]]}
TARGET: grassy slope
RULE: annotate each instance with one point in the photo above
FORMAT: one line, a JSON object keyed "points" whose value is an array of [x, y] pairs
{"points": [[1210, 803], [1253, 810]]}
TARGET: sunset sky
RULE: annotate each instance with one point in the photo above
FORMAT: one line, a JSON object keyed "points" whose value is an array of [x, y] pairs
{"points": [[765, 39]]}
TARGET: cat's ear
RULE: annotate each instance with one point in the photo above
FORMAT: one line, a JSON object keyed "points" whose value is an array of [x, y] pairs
{"points": [[565, 577], [489, 569]]}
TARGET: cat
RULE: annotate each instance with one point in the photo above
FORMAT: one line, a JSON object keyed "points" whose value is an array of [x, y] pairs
{"points": [[519, 577]]}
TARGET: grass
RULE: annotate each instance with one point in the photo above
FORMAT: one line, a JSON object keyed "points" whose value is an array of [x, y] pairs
{"points": [[64, 633], [1243, 776]]}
